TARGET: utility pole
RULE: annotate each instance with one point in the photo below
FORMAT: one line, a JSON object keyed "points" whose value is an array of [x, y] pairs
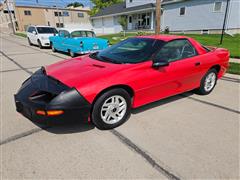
{"points": [[224, 21], [10, 16], [58, 13], [158, 17]]}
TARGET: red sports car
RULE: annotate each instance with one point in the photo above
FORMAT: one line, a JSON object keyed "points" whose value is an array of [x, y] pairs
{"points": [[104, 86]]}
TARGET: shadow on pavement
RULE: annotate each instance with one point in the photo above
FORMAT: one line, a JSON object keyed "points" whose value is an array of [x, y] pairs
{"points": [[161, 102]]}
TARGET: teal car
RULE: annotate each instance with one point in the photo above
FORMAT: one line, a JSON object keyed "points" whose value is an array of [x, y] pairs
{"points": [[75, 41]]}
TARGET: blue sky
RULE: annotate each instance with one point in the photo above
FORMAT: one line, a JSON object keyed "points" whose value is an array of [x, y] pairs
{"points": [[60, 3]]}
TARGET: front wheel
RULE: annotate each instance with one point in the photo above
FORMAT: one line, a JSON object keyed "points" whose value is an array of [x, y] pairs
{"points": [[40, 44], [29, 42], [52, 47], [111, 109], [208, 82]]}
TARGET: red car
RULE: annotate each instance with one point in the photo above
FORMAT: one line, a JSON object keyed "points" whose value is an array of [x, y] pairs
{"points": [[104, 86]]}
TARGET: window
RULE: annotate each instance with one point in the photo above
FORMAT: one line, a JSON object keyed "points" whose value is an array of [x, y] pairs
{"points": [[48, 23], [65, 13], [46, 30], [57, 13], [80, 15], [130, 19], [205, 31], [176, 50], [83, 34], [30, 29], [217, 7], [130, 1], [182, 11], [59, 25], [27, 13]]}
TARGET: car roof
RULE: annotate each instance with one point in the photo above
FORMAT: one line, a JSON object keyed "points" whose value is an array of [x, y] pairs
{"points": [[164, 37], [70, 30]]}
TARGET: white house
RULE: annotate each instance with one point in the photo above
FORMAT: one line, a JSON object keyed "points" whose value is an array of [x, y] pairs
{"points": [[187, 16]]}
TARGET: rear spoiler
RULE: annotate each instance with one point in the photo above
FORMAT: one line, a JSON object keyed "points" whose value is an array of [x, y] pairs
{"points": [[211, 48]]}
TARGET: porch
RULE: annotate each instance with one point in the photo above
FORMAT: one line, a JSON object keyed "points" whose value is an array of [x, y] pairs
{"points": [[141, 21]]}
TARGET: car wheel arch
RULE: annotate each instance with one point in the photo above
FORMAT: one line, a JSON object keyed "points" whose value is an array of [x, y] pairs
{"points": [[127, 88], [217, 67]]}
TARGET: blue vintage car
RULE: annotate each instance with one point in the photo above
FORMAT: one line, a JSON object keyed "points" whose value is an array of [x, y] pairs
{"points": [[75, 41]]}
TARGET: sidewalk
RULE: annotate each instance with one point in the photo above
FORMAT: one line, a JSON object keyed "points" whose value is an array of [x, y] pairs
{"points": [[234, 60]]}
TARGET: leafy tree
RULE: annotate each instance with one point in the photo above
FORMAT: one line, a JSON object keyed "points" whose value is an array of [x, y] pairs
{"points": [[99, 4], [75, 4], [123, 22]]}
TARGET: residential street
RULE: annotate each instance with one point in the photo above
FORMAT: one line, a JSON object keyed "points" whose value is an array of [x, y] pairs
{"points": [[183, 137]]}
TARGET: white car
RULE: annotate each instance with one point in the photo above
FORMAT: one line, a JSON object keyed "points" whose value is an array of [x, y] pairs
{"points": [[39, 35]]}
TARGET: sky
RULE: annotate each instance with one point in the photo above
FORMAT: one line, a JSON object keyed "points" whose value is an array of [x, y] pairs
{"points": [[60, 3]]}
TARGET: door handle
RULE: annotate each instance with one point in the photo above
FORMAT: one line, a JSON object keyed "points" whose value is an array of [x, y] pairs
{"points": [[197, 64]]}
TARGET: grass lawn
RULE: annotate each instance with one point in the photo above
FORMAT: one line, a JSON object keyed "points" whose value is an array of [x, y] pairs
{"points": [[22, 34], [230, 43], [234, 68]]}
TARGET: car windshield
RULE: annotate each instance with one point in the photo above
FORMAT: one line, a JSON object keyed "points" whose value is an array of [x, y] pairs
{"points": [[83, 34], [46, 30], [132, 50]]}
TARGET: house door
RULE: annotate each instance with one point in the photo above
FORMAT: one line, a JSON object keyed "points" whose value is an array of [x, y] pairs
{"points": [[130, 26]]}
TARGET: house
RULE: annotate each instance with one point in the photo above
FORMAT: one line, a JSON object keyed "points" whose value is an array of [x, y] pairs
{"points": [[179, 16], [51, 16]]}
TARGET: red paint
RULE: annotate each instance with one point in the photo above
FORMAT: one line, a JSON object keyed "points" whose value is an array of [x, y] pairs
{"points": [[90, 76]]}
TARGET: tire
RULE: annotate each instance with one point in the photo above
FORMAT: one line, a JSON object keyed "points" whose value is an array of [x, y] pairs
{"points": [[108, 116], [207, 85], [72, 54], [39, 44], [52, 47], [29, 42]]}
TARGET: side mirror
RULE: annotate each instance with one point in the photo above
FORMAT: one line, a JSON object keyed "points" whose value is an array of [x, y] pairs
{"points": [[159, 64], [34, 32]]}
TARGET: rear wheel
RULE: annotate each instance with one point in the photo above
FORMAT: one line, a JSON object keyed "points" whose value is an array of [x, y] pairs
{"points": [[208, 82], [40, 44], [111, 109], [72, 54]]}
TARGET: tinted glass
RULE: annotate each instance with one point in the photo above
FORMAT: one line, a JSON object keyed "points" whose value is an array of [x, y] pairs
{"points": [[132, 50], [175, 50], [46, 30]]}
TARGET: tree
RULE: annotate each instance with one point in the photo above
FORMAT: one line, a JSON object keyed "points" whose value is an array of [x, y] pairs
{"points": [[75, 4], [123, 22], [99, 4]]}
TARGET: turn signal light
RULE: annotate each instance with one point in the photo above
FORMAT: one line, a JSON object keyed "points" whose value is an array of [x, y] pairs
{"points": [[41, 112], [54, 112], [50, 112]]}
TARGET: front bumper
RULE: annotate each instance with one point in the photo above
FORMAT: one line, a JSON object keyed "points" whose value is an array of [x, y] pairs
{"points": [[45, 42], [41, 92]]}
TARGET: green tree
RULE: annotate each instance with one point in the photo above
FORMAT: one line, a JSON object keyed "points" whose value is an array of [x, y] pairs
{"points": [[75, 4], [99, 4]]}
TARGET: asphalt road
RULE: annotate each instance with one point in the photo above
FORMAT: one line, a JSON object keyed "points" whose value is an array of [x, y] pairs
{"points": [[183, 137]]}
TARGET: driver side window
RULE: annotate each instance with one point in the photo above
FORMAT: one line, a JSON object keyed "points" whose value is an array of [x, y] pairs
{"points": [[176, 50]]}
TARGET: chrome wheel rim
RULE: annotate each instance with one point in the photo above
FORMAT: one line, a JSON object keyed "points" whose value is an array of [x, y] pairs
{"points": [[113, 109], [210, 82]]}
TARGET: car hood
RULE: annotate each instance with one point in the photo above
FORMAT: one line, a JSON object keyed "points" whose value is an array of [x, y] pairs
{"points": [[82, 71], [45, 35]]}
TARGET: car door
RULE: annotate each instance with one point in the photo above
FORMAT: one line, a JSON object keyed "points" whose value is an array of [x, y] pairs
{"points": [[178, 71], [34, 35], [66, 41]]}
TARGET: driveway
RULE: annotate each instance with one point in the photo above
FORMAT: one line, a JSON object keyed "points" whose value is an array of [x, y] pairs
{"points": [[183, 137]]}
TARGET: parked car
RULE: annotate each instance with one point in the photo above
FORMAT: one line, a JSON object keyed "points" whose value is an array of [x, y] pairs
{"points": [[75, 41], [105, 85], [39, 35]]}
